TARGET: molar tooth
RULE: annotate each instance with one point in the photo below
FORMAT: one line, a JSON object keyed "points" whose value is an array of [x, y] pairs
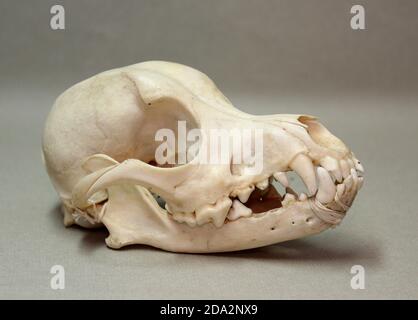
{"points": [[288, 198], [215, 213], [244, 193], [238, 210], [262, 185], [303, 196], [303, 166], [326, 189], [188, 218], [345, 168], [332, 165], [282, 178]]}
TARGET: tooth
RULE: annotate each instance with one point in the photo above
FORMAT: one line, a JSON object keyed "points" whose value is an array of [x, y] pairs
{"points": [[353, 172], [338, 175], [303, 197], [303, 166], [326, 189], [350, 163], [354, 175], [340, 190], [244, 193], [345, 169], [238, 210], [282, 178], [262, 185], [288, 198], [360, 182], [332, 165], [358, 165], [348, 182], [215, 213], [188, 218]]}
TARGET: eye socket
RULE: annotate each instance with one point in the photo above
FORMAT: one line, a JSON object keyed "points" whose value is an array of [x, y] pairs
{"points": [[321, 135], [160, 139]]}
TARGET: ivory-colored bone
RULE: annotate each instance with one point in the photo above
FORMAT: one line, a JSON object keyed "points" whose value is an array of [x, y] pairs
{"points": [[100, 151]]}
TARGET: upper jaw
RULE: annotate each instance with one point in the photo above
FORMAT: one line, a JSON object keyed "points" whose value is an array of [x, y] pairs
{"points": [[331, 186]]}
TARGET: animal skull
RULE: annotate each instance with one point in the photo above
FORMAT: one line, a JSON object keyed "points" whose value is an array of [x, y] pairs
{"points": [[99, 149]]}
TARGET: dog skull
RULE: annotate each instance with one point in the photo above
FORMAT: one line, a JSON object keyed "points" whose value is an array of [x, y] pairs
{"points": [[99, 149]]}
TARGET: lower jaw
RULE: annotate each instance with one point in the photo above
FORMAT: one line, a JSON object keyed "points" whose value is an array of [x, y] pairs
{"points": [[274, 226]]}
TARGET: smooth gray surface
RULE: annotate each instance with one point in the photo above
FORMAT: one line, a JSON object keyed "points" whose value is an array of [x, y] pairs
{"points": [[268, 57]]}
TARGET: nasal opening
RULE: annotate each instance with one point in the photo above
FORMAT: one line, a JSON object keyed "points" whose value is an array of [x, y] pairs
{"points": [[321, 135]]}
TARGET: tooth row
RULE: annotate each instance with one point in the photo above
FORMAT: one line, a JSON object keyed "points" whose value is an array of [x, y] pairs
{"points": [[319, 182]]}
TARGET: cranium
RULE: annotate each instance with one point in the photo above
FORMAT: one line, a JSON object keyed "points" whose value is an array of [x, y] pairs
{"points": [[99, 149]]}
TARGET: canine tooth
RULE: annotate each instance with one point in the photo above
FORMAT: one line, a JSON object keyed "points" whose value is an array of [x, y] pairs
{"points": [[326, 189], [303, 196], [288, 198], [238, 210], [282, 178], [303, 166], [215, 213], [244, 193], [332, 165], [262, 185], [345, 168]]}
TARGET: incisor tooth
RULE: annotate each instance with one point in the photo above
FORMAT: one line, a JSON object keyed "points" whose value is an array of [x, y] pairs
{"points": [[303, 196], [282, 178], [238, 210], [288, 198], [215, 213], [262, 185], [244, 193], [340, 190], [332, 165], [345, 168], [326, 188], [360, 182], [303, 166]]}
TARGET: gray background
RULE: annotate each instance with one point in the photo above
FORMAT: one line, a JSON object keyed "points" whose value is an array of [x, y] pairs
{"points": [[267, 57]]}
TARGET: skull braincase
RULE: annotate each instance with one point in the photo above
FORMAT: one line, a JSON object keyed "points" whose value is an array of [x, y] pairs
{"points": [[100, 147]]}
